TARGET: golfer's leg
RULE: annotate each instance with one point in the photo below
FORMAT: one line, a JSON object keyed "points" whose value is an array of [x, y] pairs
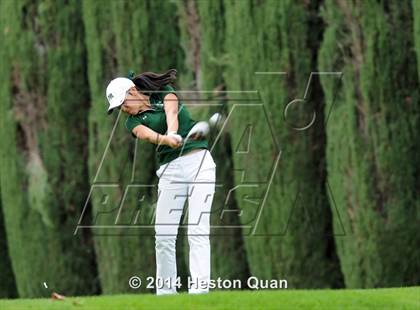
{"points": [[169, 208], [200, 199]]}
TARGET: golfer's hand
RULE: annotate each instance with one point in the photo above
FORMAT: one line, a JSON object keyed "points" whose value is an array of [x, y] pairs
{"points": [[173, 141]]}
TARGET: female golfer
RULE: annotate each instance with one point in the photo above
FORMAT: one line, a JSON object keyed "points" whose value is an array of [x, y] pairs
{"points": [[187, 170]]}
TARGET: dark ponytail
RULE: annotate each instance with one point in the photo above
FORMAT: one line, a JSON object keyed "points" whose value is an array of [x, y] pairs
{"points": [[153, 81]]}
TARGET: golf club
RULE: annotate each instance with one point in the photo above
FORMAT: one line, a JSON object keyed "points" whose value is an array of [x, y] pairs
{"points": [[201, 129]]}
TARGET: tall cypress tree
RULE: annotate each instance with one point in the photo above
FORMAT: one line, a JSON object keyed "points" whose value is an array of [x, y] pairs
{"points": [[372, 157], [43, 127], [142, 36], [284, 200], [8, 284], [202, 28]]}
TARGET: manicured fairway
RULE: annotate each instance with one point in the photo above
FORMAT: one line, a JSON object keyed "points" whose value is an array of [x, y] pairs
{"points": [[395, 298]]}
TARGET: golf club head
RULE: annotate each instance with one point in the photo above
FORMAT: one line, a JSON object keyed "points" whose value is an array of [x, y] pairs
{"points": [[215, 120]]}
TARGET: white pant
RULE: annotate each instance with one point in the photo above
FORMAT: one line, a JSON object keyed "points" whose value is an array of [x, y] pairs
{"points": [[190, 176]]}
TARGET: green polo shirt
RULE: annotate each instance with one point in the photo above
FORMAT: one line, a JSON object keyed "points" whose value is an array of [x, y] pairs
{"points": [[155, 119]]}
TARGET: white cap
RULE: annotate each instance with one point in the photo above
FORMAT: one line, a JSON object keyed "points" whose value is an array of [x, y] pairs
{"points": [[117, 91]]}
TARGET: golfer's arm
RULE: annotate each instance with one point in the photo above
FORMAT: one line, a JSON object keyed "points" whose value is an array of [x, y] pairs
{"points": [[171, 111], [145, 133]]}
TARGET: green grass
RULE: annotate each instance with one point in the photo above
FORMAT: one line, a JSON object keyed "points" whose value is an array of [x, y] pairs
{"points": [[395, 298]]}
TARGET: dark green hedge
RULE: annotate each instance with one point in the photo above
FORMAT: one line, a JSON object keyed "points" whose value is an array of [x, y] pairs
{"points": [[124, 35], [372, 156], [43, 123], [294, 231]]}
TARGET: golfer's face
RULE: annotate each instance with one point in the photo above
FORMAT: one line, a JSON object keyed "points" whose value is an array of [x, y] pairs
{"points": [[132, 102], [129, 107]]}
